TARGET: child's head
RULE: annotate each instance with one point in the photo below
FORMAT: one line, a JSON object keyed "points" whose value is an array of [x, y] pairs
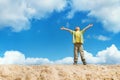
{"points": [[77, 28]]}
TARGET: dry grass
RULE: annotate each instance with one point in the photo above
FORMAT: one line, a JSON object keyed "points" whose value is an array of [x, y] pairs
{"points": [[60, 72]]}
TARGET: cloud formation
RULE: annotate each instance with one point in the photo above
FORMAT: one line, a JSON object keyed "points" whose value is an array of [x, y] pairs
{"points": [[102, 38], [110, 55], [16, 14], [106, 11], [13, 57]]}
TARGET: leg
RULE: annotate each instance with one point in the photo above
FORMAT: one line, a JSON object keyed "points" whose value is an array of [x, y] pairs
{"points": [[75, 54], [82, 54]]}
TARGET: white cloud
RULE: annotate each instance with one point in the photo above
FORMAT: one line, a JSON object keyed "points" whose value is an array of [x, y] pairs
{"points": [[110, 55], [12, 57], [16, 57], [17, 14], [102, 38], [67, 60], [85, 20], [38, 61], [106, 11]]}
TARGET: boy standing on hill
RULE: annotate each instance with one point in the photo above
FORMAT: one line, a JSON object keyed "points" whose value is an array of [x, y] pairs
{"points": [[78, 42]]}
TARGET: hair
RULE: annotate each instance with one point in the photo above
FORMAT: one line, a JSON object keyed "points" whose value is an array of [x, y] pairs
{"points": [[77, 27]]}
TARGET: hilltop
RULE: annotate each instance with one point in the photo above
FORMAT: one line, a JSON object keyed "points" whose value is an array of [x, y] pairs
{"points": [[59, 72]]}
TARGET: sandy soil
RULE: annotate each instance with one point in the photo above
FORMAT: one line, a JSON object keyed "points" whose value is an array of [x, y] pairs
{"points": [[60, 72]]}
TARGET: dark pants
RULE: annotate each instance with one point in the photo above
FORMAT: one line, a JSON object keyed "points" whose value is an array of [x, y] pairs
{"points": [[78, 47]]}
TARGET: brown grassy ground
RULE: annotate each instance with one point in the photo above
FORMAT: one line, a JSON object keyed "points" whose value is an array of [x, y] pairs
{"points": [[60, 72]]}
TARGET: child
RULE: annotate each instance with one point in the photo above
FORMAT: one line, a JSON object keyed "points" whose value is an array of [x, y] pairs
{"points": [[78, 42]]}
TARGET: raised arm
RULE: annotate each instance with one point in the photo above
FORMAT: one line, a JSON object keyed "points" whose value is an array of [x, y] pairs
{"points": [[87, 27], [63, 28]]}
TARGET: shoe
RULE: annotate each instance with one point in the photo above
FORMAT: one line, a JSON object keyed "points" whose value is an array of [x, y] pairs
{"points": [[75, 63], [84, 62]]}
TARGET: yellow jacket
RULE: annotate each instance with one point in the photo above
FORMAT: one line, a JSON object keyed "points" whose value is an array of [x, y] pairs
{"points": [[81, 32]]}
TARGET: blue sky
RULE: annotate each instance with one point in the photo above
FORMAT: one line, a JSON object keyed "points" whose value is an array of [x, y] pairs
{"points": [[32, 29]]}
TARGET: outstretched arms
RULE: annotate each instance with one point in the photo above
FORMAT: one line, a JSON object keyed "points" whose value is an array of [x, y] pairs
{"points": [[87, 27], [63, 28]]}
